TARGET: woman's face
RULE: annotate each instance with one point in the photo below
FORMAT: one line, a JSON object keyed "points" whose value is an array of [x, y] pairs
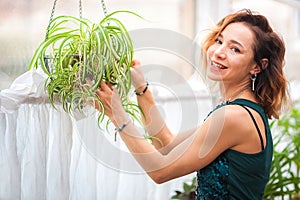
{"points": [[230, 57]]}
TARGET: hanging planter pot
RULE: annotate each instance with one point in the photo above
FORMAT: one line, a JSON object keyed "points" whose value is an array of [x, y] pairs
{"points": [[77, 54]]}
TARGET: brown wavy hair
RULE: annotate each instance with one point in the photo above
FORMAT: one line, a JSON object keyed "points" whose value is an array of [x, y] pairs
{"points": [[271, 86]]}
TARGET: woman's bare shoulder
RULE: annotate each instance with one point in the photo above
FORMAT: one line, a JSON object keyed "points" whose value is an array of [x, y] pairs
{"points": [[233, 123]]}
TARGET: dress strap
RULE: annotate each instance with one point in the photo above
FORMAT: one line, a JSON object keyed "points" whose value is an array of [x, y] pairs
{"points": [[255, 123]]}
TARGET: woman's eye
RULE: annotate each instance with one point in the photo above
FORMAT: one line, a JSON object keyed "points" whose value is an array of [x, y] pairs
{"points": [[236, 50], [218, 41]]}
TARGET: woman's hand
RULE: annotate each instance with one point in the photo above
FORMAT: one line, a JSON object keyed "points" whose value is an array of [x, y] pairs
{"points": [[112, 105], [137, 77]]}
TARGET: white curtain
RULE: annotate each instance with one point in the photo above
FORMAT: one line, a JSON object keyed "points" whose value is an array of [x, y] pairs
{"points": [[47, 154]]}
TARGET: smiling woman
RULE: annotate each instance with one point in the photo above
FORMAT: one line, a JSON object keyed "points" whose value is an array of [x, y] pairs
{"points": [[267, 50], [232, 149], [230, 58]]}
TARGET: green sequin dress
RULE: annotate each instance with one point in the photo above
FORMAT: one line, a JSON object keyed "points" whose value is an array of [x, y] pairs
{"points": [[237, 175]]}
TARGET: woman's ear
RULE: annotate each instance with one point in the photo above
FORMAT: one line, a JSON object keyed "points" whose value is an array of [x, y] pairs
{"points": [[256, 69], [264, 63]]}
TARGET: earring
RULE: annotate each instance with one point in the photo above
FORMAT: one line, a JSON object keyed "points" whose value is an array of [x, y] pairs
{"points": [[253, 78]]}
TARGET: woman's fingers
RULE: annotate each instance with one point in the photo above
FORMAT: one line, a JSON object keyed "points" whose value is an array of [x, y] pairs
{"points": [[109, 101], [103, 94], [137, 77], [105, 87], [135, 63]]}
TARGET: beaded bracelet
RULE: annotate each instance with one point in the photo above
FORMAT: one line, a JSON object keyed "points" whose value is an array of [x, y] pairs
{"points": [[120, 128], [143, 92]]}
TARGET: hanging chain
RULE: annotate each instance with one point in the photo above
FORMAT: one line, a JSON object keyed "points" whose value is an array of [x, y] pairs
{"points": [[51, 18], [104, 7], [80, 13], [80, 9], [46, 57]]}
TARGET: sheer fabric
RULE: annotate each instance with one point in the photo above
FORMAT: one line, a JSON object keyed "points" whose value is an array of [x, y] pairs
{"points": [[47, 154]]}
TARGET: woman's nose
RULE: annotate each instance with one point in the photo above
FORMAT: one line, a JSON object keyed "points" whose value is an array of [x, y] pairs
{"points": [[220, 52]]}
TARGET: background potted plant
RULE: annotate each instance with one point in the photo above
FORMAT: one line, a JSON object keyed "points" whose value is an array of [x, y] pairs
{"points": [[77, 54], [188, 191], [285, 171]]}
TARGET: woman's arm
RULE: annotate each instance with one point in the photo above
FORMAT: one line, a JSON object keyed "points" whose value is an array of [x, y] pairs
{"points": [[155, 125], [210, 139], [153, 122]]}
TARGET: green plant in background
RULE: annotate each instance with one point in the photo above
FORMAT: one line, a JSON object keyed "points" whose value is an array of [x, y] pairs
{"points": [[79, 55], [285, 171], [188, 192]]}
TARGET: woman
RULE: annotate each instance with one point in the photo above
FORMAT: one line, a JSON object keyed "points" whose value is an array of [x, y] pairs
{"points": [[232, 149]]}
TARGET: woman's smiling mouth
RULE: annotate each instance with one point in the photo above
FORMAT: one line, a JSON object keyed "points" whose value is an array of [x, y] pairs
{"points": [[217, 65]]}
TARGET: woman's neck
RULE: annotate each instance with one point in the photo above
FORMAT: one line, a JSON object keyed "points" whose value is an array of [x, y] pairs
{"points": [[234, 93]]}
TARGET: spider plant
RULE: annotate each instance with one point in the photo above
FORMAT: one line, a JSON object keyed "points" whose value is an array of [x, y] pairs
{"points": [[77, 54]]}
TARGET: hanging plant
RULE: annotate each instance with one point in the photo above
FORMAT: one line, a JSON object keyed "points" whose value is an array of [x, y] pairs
{"points": [[77, 54]]}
